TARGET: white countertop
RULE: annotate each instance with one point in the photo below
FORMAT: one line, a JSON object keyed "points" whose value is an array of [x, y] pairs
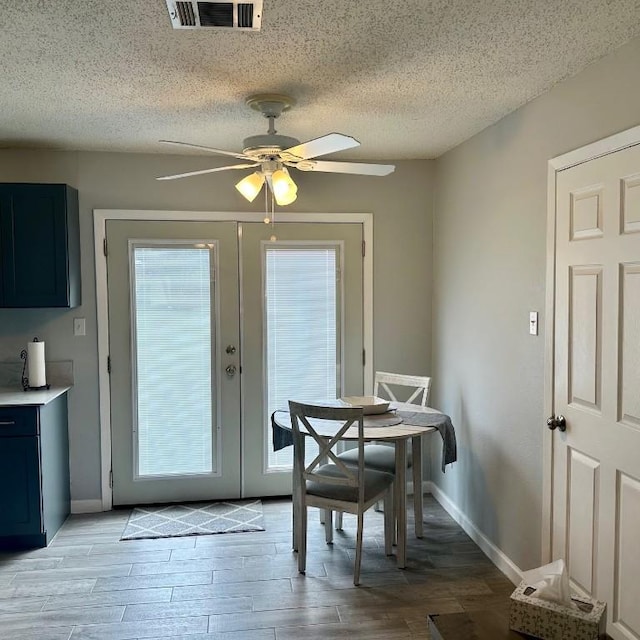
{"points": [[16, 397]]}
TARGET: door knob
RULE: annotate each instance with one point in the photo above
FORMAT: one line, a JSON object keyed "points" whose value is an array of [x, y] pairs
{"points": [[557, 422], [230, 349], [231, 370]]}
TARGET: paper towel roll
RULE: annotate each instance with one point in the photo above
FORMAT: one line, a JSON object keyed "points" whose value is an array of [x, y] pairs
{"points": [[35, 358]]}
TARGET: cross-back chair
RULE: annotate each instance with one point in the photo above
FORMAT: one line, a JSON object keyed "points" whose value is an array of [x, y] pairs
{"points": [[421, 385], [382, 457], [334, 485]]}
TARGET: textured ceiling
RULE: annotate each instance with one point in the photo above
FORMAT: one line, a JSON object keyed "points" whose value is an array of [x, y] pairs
{"points": [[409, 79]]}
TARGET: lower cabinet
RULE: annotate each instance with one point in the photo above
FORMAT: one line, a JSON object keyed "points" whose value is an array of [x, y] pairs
{"points": [[34, 473]]}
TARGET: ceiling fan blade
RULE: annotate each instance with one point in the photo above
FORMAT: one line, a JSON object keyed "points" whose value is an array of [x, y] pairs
{"points": [[210, 149], [203, 171], [359, 168], [330, 143]]}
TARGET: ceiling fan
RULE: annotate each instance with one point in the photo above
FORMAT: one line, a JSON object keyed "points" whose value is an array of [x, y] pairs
{"points": [[273, 153]]}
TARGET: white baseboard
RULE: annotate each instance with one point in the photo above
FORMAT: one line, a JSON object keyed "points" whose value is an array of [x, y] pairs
{"points": [[498, 557], [86, 506]]}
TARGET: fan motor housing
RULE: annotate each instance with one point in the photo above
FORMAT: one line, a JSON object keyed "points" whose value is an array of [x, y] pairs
{"points": [[267, 145]]}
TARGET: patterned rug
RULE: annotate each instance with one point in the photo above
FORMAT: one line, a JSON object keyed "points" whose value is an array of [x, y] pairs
{"points": [[194, 519]]}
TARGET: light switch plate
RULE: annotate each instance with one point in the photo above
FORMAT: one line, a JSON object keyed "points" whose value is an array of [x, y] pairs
{"points": [[533, 323], [79, 327]]}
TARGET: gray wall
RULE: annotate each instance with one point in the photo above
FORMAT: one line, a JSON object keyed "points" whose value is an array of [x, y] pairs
{"points": [[489, 272], [401, 204]]}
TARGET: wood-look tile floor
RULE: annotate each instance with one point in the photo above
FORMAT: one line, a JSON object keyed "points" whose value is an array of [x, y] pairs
{"points": [[89, 585]]}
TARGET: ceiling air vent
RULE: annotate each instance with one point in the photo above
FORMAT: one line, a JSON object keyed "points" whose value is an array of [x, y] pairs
{"points": [[192, 14]]}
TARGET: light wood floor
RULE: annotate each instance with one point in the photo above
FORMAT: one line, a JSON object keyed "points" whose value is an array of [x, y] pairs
{"points": [[88, 585]]}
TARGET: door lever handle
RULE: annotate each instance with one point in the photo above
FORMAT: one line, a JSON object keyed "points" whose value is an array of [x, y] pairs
{"points": [[557, 422]]}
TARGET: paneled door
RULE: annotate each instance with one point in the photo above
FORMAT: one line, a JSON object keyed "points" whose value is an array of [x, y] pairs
{"points": [[174, 358], [213, 326], [596, 461]]}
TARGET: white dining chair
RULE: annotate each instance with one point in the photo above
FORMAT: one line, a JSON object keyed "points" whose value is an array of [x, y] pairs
{"points": [[381, 457], [335, 486]]}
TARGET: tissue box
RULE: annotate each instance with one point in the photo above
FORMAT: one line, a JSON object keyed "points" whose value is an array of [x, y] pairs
{"points": [[554, 621]]}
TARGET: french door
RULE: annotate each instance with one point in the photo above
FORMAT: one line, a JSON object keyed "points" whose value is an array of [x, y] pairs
{"points": [[173, 306], [212, 326], [302, 332]]}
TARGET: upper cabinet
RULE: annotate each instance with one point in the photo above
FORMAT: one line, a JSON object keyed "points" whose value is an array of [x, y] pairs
{"points": [[39, 246]]}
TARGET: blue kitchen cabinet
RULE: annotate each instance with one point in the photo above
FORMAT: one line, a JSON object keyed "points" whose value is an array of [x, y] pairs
{"points": [[39, 246], [34, 473]]}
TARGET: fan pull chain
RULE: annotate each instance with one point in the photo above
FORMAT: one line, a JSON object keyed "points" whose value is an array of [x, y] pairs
{"points": [[270, 217], [273, 218], [267, 220]]}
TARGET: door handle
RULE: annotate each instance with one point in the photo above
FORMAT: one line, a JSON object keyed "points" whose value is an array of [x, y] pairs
{"points": [[230, 349], [557, 422], [231, 370]]}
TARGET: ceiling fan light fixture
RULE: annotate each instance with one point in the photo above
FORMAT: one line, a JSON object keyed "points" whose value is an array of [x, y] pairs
{"points": [[250, 186], [272, 151], [284, 188]]}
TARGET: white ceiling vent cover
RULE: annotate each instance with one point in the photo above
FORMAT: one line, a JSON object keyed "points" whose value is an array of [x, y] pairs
{"points": [[212, 14]]}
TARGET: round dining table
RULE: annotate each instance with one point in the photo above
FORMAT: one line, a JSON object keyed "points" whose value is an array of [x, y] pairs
{"points": [[394, 427]]}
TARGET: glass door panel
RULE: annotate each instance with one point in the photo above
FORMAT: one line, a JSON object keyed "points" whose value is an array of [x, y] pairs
{"points": [[302, 321], [172, 336]]}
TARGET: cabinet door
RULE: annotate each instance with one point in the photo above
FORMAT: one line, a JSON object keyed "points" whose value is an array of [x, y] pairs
{"points": [[20, 486], [35, 227]]}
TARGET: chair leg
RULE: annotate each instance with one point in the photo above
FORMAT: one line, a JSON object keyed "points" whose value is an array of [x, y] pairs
{"points": [[295, 523], [389, 522], [328, 526], [323, 512], [390, 504], [400, 499], [302, 538], [418, 511], [356, 569], [339, 521], [416, 446]]}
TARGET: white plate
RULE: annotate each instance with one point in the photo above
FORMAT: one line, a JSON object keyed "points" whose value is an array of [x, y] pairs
{"points": [[369, 404]]}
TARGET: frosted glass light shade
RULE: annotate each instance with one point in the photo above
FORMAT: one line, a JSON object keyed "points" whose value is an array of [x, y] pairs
{"points": [[287, 198], [250, 186], [285, 190]]}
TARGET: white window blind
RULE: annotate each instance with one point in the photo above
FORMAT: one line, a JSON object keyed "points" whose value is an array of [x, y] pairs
{"points": [[172, 320], [302, 340]]}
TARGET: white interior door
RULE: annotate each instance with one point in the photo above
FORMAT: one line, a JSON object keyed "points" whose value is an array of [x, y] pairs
{"points": [[173, 310], [596, 462]]}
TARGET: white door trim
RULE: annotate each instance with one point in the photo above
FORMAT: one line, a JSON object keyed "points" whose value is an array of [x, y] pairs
{"points": [[617, 142], [100, 217]]}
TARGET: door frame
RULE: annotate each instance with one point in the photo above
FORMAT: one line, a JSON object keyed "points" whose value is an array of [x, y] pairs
{"points": [[606, 146], [100, 218]]}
